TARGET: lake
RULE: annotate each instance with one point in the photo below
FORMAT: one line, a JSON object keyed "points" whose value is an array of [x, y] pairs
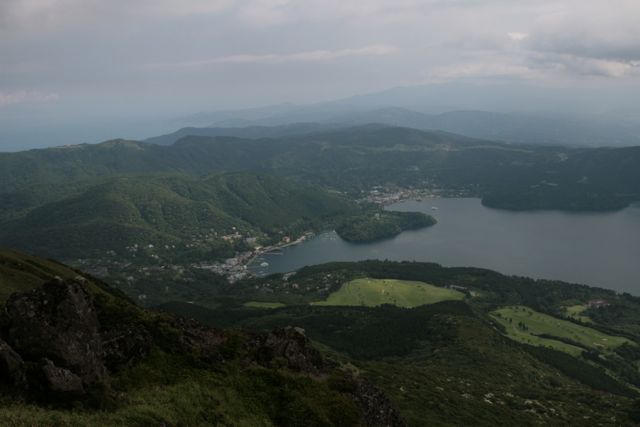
{"points": [[598, 249]]}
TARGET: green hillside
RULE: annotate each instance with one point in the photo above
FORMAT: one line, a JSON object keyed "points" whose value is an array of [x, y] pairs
{"points": [[355, 159], [166, 211], [528, 326], [372, 226], [20, 272], [443, 363]]}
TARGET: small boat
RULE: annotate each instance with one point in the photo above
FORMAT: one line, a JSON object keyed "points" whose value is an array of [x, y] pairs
{"points": [[264, 264], [434, 208]]}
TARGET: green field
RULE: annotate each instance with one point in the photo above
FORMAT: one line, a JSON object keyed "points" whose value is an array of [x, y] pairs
{"points": [[525, 325], [575, 312], [263, 304], [402, 293]]}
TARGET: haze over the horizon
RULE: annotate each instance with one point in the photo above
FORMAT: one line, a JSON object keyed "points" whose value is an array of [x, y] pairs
{"points": [[102, 68]]}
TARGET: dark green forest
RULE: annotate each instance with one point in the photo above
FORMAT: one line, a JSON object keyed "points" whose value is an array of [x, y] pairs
{"points": [[372, 226]]}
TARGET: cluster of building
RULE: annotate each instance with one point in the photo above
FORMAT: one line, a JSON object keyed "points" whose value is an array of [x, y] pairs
{"points": [[236, 268], [388, 195], [384, 196], [233, 269], [123, 272], [597, 303]]}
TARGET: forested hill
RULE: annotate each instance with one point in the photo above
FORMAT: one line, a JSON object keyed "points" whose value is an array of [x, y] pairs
{"points": [[250, 132], [351, 160], [193, 154], [168, 210]]}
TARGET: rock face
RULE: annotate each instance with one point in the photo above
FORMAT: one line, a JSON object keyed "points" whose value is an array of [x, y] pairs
{"points": [[292, 345], [12, 367], [377, 409], [199, 340], [125, 345], [61, 380], [55, 330]]}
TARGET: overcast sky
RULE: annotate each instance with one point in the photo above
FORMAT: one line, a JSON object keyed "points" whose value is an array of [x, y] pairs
{"points": [[140, 58]]}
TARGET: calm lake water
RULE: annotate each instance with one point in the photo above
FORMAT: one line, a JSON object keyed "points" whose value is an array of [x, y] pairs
{"points": [[599, 249]]}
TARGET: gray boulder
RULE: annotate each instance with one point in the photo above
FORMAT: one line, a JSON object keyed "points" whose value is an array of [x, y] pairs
{"points": [[12, 367], [125, 345], [61, 380], [58, 322], [291, 345]]}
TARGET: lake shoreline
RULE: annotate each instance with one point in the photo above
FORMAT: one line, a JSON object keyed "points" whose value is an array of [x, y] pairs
{"points": [[596, 249]]}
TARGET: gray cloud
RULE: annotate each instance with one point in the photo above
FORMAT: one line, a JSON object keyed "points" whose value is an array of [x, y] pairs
{"points": [[597, 30], [170, 57], [43, 15]]}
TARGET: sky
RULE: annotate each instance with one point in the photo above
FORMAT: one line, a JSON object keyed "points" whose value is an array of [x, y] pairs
{"points": [[65, 62]]}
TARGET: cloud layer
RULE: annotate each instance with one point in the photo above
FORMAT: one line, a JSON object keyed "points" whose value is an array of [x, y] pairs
{"points": [[207, 54]]}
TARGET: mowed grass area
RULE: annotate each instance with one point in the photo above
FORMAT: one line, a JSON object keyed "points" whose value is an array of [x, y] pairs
{"points": [[575, 312], [402, 293], [525, 325], [263, 304]]}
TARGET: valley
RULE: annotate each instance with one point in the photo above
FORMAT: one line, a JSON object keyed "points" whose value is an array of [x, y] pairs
{"points": [[240, 243], [203, 209]]}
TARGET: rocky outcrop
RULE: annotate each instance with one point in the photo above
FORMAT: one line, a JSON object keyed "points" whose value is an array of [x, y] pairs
{"points": [[54, 329], [377, 409], [198, 340], [12, 367], [61, 380], [53, 348], [289, 344], [125, 345]]}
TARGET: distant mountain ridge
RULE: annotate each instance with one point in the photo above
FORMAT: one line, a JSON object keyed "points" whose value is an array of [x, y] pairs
{"points": [[352, 159], [517, 128], [249, 132], [496, 113]]}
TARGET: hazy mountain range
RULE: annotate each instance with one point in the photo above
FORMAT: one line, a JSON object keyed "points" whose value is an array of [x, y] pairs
{"points": [[520, 128], [516, 115]]}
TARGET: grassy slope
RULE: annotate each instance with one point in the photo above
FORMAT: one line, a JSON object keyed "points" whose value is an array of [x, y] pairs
{"points": [[262, 304], [479, 379], [402, 293], [576, 312], [168, 390], [443, 364], [539, 323], [21, 272]]}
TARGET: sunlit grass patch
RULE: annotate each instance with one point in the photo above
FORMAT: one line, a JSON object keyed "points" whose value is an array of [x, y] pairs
{"points": [[531, 327], [402, 293]]}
